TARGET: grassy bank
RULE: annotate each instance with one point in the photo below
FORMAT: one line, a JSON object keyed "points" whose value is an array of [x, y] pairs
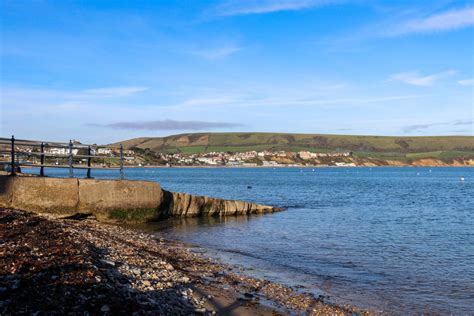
{"points": [[234, 142]]}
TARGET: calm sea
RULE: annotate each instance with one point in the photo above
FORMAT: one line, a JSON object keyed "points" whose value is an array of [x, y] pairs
{"points": [[393, 239]]}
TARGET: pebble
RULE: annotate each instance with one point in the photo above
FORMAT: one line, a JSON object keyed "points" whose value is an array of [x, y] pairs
{"points": [[105, 308], [200, 310], [108, 262]]}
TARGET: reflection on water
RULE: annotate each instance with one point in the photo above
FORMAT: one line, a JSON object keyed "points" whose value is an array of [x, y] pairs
{"points": [[398, 239], [190, 224]]}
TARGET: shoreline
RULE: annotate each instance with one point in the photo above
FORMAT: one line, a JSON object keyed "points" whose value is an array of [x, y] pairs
{"points": [[264, 167], [43, 257]]}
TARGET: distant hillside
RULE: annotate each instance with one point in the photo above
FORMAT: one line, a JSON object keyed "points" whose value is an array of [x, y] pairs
{"points": [[238, 142]]}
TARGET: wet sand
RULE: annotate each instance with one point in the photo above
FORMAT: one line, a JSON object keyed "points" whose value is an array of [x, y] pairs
{"points": [[60, 266]]}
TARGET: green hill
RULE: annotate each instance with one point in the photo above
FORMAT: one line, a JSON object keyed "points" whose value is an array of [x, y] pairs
{"points": [[373, 146]]}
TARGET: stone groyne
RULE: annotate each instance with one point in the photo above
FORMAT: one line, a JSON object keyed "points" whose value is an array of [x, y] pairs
{"points": [[114, 200], [186, 205]]}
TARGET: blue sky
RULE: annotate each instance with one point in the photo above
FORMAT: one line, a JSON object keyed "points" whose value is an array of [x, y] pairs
{"points": [[102, 71]]}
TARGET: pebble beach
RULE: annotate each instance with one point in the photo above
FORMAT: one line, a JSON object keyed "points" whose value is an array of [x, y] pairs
{"points": [[80, 266]]}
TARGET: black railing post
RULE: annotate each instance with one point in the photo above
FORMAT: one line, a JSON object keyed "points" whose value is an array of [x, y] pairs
{"points": [[89, 159], [13, 156], [121, 161], [42, 160], [71, 172]]}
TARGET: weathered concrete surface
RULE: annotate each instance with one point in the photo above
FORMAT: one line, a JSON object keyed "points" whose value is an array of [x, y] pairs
{"points": [[6, 191], [114, 200], [120, 199], [50, 195]]}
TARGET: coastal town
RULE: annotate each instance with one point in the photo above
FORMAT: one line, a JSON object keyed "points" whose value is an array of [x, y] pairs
{"points": [[108, 156], [248, 159]]}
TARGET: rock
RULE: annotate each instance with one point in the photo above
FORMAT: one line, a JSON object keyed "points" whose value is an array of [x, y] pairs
{"points": [[185, 205], [200, 310], [107, 262], [105, 308]]}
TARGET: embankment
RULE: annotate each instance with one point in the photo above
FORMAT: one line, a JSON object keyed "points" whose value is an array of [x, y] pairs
{"points": [[114, 200]]}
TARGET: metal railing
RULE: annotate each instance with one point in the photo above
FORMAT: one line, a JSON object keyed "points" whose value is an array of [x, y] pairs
{"points": [[16, 146]]}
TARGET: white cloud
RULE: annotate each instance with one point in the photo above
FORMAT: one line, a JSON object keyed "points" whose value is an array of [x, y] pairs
{"points": [[445, 21], [408, 23], [244, 7], [466, 82], [244, 101], [414, 78], [217, 53], [62, 100], [208, 101], [115, 91]]}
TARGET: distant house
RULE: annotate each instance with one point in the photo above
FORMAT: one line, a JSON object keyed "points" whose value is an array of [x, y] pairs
{"points": [[305, 155], [206, 160], [233, 163], [270, 163], [104, 151], [60, 151]]}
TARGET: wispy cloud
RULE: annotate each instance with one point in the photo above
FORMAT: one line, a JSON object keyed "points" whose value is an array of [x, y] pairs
{"points": [[244, 7], [408, 22], [115, 91], [284, 101], [51, 96], [445, 21], [463, 122], [169, 125], [418, 127], [217, 53], [466, 82], [199, 101], [414, 78]]}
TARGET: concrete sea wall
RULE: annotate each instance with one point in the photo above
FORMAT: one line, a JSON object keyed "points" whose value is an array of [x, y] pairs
{"points": [[114, 200]]}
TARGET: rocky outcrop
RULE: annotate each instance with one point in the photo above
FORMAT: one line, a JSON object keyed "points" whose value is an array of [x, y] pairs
{"points": [[114, 200], [187, 205]]}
